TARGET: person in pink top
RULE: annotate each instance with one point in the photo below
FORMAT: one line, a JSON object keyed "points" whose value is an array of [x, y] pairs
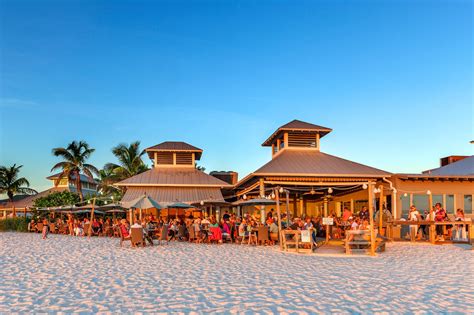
{"points": [[440, 216]]}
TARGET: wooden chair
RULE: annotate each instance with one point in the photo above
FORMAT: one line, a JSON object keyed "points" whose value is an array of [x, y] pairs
{"points": [[52, 228], [164, 234], [86, 229], [181, 233], [262, 235], [192, 234], [357, 241], [273, 238], [39, 227], [122, 238], [136, 235]]}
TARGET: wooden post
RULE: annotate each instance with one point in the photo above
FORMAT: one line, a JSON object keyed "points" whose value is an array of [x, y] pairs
{"points": [[277, 198], [287, 194], [92, 218], [433, 226], [295, 206], [301, 207], [381, 209], [370, 190]]}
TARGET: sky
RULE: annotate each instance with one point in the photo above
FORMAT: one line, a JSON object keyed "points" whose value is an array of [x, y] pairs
{"points": [[393, 79]]}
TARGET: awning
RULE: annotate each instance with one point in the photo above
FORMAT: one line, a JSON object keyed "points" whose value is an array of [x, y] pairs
{"points": [[168, 195]]}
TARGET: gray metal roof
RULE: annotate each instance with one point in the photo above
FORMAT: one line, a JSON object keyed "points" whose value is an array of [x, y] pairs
{"points": [[297, 125], [461, 167], [174, 176], [316, 163]]}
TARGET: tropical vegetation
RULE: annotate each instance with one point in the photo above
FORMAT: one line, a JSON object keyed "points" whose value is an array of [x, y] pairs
{"points": [[12, 184], [57, 199], [75, 156]]}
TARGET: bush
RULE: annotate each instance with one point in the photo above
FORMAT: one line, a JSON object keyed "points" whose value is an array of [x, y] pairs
{"points": [[14, 224]]}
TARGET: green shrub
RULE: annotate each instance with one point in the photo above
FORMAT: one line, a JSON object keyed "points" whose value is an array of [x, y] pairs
{"points": [[14, 224]]}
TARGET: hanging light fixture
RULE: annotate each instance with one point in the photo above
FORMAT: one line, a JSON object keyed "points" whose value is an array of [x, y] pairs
{"points": [[405, 195], [428, 192], [273, 195], [312, 192], [330, 190], [364, 186], [244, 196], [281, 190]]}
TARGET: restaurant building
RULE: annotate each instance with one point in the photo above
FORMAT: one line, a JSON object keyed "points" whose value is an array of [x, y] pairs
{"points": [[174, 177]]}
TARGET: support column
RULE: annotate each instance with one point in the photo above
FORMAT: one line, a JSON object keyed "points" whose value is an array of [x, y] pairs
{"points": [[301, 207], [370, 191], [295, 206], [352, 206], [262, 195], [381, 209], [325, 207], [155, 159]]}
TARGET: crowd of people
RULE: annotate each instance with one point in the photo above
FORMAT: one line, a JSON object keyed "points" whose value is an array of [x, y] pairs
{"points": [[455, 232]]}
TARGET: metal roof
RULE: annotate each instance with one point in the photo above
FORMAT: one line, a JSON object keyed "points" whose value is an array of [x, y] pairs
{"points": [[297, 125], [169, 195], [174, 146], [29, 200], [174, 176], [461, 167], [301, 162]]}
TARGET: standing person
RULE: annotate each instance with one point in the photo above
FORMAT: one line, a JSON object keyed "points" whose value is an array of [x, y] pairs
{"points": [[413, 215], [440, 216], [460, 233], [45, 228]]}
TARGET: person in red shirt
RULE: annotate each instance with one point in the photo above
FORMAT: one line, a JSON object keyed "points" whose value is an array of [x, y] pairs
{"points": [[124, 228], [440, 216]]}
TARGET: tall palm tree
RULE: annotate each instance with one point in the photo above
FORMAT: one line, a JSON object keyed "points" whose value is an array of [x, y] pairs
{"points": [[130, 161], [11, 184], [74, 163], [106, 180]]}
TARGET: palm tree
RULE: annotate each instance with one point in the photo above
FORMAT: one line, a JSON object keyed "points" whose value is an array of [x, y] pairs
{"points": [[130, 161], [75, 157], [11, 183], [106, 180]]}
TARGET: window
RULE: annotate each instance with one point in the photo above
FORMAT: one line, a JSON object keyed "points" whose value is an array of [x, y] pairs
{"points": [[421, 202], [468, 204], [450, 204], [438, 198], [405, 205]]}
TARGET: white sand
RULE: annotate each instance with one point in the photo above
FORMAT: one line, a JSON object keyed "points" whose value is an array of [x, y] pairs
{"points": [[67, 274]]}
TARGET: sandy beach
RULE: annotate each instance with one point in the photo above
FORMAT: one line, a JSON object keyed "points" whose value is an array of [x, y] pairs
{"points": [[68, 274]]}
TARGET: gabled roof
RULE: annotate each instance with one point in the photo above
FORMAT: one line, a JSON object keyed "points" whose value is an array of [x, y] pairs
{"points": [[461, 167], [297, 125], [173, 177], [29, 200], [174, 146], [314, 163]]}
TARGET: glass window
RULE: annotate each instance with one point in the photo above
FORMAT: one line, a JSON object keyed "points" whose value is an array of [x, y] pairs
{"points": [[421, 202], [468, 204], [405, 205], [450, 203]]}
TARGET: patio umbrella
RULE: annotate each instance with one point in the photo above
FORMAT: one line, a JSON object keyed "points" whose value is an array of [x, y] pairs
{"points": [[179, 205], [142, 202]]}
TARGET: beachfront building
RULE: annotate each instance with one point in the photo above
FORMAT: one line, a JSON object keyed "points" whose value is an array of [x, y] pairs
{"points": [[315, 183], [310, 182], [174, 177], [22, 203]]}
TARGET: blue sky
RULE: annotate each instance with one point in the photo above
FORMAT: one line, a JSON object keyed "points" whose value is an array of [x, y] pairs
{"points": [[394, 79]]}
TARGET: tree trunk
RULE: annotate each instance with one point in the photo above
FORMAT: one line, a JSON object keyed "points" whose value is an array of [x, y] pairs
{"points": [[79, 186], [10, 197]]}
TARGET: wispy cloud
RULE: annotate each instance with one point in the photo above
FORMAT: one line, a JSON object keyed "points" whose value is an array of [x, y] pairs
{"points": [[16, 103]]}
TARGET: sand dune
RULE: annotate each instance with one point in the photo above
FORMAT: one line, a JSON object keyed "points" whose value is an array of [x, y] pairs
{"points": [[66, 274]]}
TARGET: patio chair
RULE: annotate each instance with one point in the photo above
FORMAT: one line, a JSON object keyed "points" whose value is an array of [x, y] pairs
{"points": [[164, 234], [181, 233], [86, 229], [262, 235], [39, 227], [136, 235], [123, 238], [192, 234], [52, 228]]}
